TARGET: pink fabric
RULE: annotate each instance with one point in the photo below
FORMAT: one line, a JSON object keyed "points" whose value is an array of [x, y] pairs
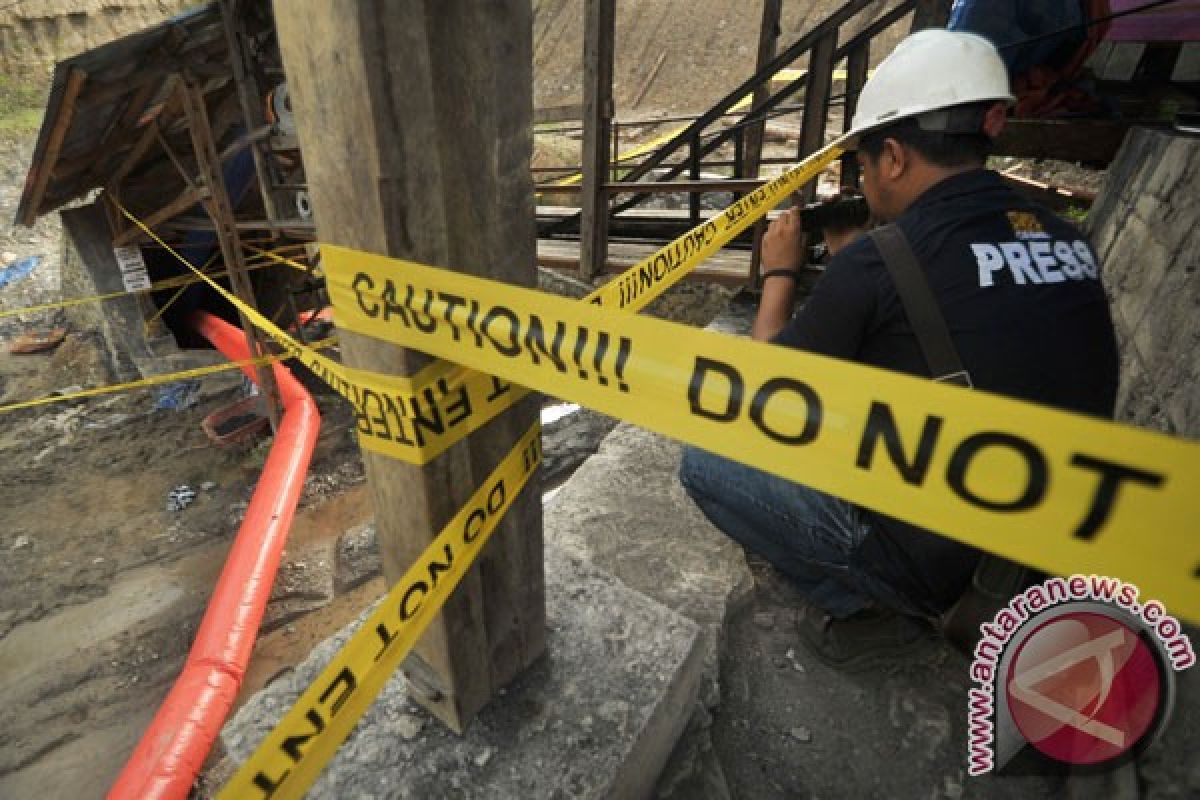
{"points": [[1174, 22]]}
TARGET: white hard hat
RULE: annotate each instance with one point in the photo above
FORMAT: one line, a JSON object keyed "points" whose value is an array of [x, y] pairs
{"points": [[930, 70]]}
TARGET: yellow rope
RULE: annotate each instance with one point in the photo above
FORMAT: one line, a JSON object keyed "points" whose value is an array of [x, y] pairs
{"points": [[169, 283], [179, 293], [156, 380]]}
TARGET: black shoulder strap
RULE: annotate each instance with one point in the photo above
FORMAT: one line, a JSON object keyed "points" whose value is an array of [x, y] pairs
{"points": [[921, 306]]}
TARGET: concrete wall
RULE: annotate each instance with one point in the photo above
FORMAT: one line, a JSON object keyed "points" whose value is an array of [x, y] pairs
{"points": [[1146, 229], [89, 269]]}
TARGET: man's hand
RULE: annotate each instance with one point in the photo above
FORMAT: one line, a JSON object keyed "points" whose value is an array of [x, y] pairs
{"points": [[781, 244], [781, 250]]}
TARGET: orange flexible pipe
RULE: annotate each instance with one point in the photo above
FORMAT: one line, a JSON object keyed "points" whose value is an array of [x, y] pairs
{"points": [[171, 752]]}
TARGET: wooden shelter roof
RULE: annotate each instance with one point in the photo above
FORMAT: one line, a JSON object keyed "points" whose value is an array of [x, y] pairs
{"points": [[108, 105]]}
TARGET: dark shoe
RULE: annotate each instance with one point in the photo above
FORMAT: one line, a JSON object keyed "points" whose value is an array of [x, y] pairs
{"points": [[872, 637]]}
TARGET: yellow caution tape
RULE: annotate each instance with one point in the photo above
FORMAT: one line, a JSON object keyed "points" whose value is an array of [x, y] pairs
{"points": [[1059, 491], [154, 380], [273, 255], [169, 283], [471, 399], [415, 419], [290, 757], [287, 762], [146, 326]]}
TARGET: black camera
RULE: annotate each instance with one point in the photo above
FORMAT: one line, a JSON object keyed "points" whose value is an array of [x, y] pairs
{"points": [[842, 213]]}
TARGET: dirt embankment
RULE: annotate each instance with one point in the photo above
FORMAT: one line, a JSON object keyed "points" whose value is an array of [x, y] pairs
{"points": [[36, 33], [707, 48]]}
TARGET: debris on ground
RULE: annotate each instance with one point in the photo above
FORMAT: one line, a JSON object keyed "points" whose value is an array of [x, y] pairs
{"points": [[177, 396], [14, 269], [37, 341], [180, 498]]}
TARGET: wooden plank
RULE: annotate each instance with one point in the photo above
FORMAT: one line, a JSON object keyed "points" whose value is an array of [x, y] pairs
{"points": [[40, 174], [816, 103], [768, 35], [220, 209], [622, 255], [568, 113], [176, 162], [1093, 141], [186, 200], [650, 76], [695, 187], [244, 141], [299, 226], [135, 83], [249, 98], [857, 62], [123, 130], [728, 267], [426, 187], [1056, 198], [599, 32], [148, 136]]}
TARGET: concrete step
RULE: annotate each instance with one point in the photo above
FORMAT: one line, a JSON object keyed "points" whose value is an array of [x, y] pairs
{"points": [[596, 717]]}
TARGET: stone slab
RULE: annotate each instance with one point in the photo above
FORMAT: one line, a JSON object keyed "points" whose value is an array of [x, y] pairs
{"points": [[625, 511], [596, 717]]}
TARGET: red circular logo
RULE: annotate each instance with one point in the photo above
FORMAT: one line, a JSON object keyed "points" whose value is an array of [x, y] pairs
{"points": [[1084, 687]]}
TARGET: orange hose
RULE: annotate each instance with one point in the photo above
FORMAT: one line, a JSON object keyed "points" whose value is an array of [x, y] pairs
{"points": [[171, 752]]}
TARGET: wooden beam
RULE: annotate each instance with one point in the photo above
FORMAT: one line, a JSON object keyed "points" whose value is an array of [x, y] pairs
{"points": [[816, 102], [700, 186], [398, 173], [122, 130], [135, 106], [221, 210], [40, 174], [249, 97], [662, 187], [857, 61], [136, 82], [599, 31], [244, 141], [551, 114], [1094, 141], [650, 76], [302, 227], [148, 136], [768, 35], [185, 200], [180, 168], [1056, 198]]}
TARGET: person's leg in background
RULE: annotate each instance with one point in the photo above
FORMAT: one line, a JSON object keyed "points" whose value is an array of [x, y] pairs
{"points": [[807, 535], [811, 538]]}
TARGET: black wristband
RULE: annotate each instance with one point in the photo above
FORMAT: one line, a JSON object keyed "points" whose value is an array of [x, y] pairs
{"points": [[777, 273]]}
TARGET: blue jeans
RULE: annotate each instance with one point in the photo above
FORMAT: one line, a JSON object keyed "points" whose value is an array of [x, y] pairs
{"points": [[807, 535]]}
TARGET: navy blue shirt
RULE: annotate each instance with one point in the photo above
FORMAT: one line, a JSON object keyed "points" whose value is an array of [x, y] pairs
{"points": [[1020, 291]]}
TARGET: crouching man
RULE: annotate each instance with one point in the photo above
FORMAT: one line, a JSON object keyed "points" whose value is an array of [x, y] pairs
{"points": [[1020, 294]]}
